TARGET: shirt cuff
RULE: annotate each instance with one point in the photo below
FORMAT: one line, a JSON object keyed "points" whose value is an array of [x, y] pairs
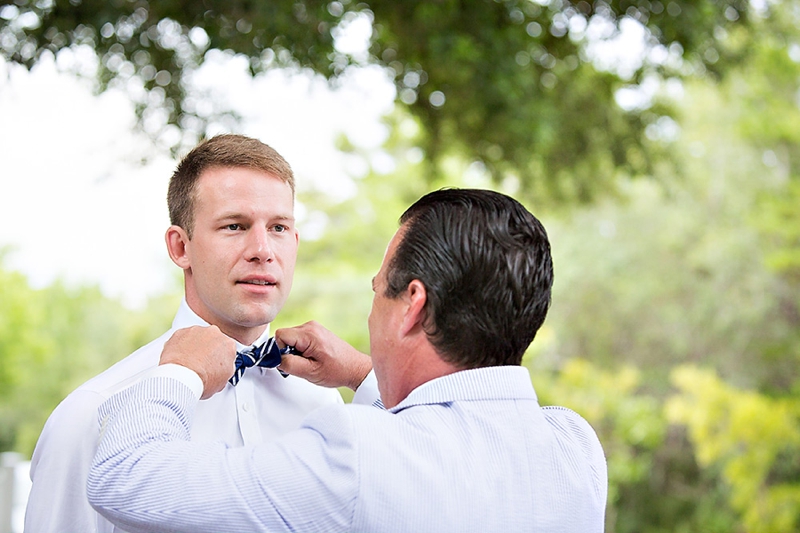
{"points": [[367, 392], [181, 373]]}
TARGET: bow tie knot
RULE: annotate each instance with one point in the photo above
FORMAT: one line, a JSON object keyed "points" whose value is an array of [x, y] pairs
{"points": [[266, 355]]}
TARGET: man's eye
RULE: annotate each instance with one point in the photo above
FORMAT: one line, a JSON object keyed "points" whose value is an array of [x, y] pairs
{"points": [[233, 227], [279, 228]]}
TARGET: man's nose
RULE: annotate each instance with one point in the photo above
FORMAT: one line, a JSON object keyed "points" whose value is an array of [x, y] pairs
{"points": [[259, 247]]}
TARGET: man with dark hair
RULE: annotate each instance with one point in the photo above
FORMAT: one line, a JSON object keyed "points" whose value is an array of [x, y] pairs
{"points": [[231, 206], [444, 247], [463, 445]]}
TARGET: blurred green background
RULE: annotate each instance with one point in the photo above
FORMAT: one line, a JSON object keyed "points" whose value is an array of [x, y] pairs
{"points": [[670, 190]]}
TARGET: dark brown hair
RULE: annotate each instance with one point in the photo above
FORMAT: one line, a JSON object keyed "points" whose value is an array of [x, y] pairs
{"points": [[485, 262]]}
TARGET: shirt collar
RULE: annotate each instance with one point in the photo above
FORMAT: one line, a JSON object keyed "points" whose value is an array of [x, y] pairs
{"points": [[185, 317], [489, 383]]}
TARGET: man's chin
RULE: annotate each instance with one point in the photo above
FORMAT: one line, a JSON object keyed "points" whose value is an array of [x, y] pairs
{"points": [[255, 313], [257, 319], [255, 324]]}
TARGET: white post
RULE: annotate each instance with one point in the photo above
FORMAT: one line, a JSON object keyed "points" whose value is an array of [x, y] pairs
{"points": [[8, 463]]}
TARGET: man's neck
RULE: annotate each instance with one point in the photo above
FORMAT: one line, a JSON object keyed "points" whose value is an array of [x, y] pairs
{"points": [[248, 336], [241, 334], [422, 366]]}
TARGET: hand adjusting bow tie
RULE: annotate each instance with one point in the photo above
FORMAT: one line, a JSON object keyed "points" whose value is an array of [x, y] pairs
{"points": [[267, 355]]}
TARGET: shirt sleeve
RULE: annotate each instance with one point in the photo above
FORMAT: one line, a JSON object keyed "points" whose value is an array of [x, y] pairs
{"points": [[147, 476], [570, 425], [57, 500]]}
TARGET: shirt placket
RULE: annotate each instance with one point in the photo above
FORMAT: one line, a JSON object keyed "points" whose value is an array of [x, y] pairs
{"points": [[246, 411]]}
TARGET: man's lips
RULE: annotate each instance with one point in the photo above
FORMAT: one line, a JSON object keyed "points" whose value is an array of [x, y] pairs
{"points": [[258, 282]]}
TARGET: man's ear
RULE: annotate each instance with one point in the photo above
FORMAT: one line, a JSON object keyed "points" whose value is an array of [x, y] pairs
{"points": [[177, 242], [415, 297]]}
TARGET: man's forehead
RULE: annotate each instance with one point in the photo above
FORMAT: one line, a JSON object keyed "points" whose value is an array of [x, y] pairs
{"points": [[208, 184], [218, 171]]}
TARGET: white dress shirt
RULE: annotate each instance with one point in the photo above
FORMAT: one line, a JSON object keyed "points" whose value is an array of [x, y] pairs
{"points": [[471, 451], [263, 406]]}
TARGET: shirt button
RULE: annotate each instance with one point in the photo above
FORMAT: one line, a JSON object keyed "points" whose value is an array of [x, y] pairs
{"points": [[245, 407]]}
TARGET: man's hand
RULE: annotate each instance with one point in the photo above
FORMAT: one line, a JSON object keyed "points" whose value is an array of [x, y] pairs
{"points": [[207, 351], [327, 360]]}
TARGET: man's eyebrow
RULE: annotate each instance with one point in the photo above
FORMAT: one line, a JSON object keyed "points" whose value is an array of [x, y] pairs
{"points": [[230, 215], [236, 215]]}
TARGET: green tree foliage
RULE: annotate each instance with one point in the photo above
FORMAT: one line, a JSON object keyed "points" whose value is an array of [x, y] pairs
{"points": [[769, 111], [750, 435], [754, 440], [52, 340], [509, 83], [679, 274]]}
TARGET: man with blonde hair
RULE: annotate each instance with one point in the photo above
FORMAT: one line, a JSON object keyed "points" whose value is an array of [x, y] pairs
{"points": [[231, 207]]}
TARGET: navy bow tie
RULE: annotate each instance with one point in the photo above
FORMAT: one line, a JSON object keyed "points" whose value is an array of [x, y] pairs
{"points": [[266, 355]]}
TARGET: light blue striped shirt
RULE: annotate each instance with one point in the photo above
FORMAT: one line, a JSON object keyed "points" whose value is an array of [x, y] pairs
{"points": [[471, 451]]}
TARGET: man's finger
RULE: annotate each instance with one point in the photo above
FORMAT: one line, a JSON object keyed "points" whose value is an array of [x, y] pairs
{"points": [[292, 337], [296, 365]]}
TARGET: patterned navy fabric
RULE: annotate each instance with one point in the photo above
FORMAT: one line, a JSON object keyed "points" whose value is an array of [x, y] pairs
{"points": [[267, 355]]}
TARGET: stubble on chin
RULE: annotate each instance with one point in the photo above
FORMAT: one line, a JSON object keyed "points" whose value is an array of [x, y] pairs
{"points": [[254, 316]]}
